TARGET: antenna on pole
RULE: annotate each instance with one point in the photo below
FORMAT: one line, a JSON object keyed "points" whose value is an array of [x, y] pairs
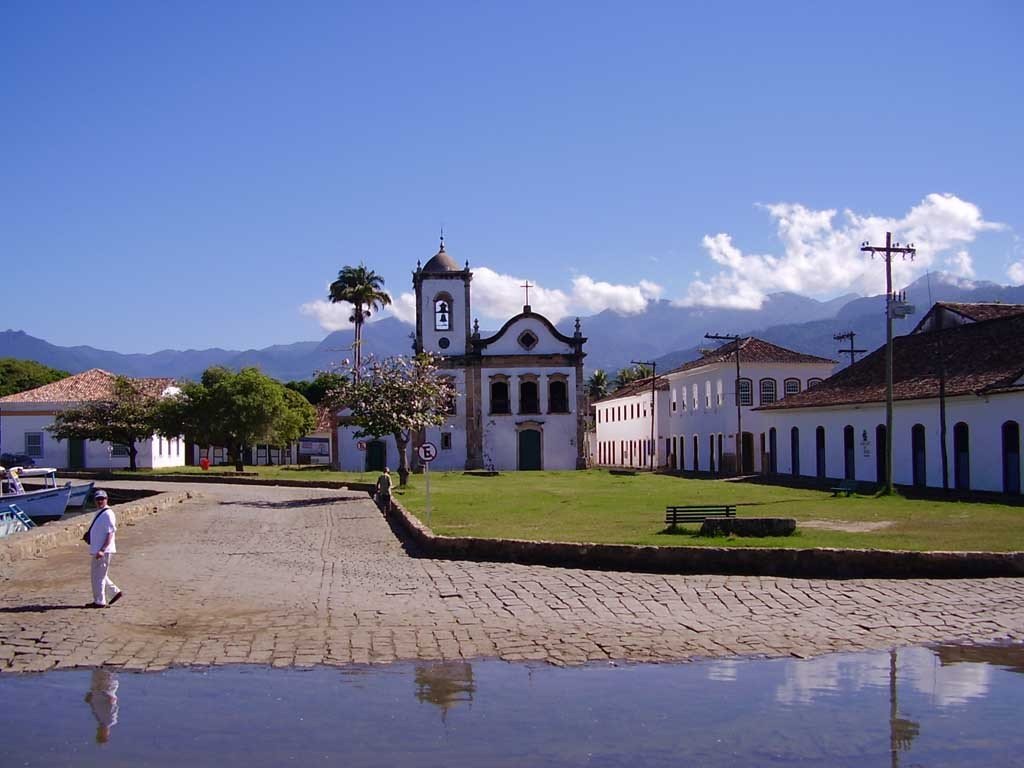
{"points": [[739, 411], [652, 448], [849, 335], [895, 306]]}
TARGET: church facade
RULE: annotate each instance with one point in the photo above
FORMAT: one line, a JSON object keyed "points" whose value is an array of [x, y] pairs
{"points": [[521, 398]]}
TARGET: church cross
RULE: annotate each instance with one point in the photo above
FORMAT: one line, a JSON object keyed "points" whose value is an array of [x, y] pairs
{"points": [[527, 286]]}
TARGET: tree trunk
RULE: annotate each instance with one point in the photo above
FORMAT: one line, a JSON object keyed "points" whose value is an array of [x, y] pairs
{"points": [[132, 453], [357, 341], [401, 442], [239, 465]]}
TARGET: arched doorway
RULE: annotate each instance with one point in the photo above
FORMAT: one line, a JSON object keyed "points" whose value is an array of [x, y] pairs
{"points": [[849, 454], [920, 458], [376, 456], [819, 452], [880, 446], [696, 452], [530, 449], [1011, 457], [748, 453], [961, 456], [794, 451]]}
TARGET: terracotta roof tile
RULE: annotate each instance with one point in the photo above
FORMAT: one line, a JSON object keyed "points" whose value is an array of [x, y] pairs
{"points": [[637, 387], [94, 384], [752, 350], [978, 357]]}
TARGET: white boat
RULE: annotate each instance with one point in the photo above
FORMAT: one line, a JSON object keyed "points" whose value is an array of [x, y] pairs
{"points": [[48, 503], [79, 493]]}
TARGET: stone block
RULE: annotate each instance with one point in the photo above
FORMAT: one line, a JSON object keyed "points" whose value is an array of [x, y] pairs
{"points": [[748, 526]]}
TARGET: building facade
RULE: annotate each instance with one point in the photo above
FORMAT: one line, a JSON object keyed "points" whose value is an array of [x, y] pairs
{"points": [[958, 391], [25, 417], [520, 402], [693, 422]]}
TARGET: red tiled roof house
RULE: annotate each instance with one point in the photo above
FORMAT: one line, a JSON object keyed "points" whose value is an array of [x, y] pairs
{"points": [[695, 410], [962, 364], [24, 417]]}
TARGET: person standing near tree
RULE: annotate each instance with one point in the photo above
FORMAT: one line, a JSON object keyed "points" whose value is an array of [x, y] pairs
{"points": [[103, 544], [384, 484]]}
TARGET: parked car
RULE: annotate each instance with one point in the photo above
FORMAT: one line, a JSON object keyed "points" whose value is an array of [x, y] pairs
{"points": [[16, 460]]}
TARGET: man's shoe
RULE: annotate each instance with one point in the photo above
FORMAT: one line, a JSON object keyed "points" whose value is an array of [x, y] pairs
{"points": [[95, 605], [116, 597]]}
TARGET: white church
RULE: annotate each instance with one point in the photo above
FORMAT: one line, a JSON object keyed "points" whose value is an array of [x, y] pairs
{"points": [[520, 401]]}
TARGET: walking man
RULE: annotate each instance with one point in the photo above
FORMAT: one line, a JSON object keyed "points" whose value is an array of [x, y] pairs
{"points": [[103, 544]]}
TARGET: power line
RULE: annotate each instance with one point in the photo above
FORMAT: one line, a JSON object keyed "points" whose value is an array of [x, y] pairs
{"points": [[894, 307], [739, 411], [851, 351]]}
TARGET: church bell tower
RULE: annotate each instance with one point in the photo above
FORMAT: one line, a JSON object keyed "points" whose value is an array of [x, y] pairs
{"points": [[442, 305]]}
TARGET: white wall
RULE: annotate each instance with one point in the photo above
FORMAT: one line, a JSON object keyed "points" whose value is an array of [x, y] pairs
{"points": [[708, 418], [983, 415], [14, 425]]}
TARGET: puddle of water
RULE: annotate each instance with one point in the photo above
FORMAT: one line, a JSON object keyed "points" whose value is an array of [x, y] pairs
{"points": [[947, 706]]}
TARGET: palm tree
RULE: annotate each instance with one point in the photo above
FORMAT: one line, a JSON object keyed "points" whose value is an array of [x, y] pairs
{"points": [[364, 290], [597, 385], [629, 375]]}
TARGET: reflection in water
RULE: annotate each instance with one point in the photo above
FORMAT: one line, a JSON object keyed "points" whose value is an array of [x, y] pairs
{"points": [[102, 700], [445, 684], [943, 678], [913, 707], [902, 732]]}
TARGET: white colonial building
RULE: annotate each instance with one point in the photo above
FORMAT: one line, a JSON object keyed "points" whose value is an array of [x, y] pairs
{"points": [[25, 416], [959, 373], [520, 395], [696, 408]]}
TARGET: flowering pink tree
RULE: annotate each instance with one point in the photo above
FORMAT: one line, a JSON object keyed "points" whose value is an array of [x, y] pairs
{"points": [[395, 396]]}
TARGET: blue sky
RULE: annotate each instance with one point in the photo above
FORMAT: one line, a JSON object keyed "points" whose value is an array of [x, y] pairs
{"points": [[194, 175]]}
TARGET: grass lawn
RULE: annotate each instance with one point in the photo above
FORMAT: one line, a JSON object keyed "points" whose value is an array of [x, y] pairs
{"points": [[595, 506]]}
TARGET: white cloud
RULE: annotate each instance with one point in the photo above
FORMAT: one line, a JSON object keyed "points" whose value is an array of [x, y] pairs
{"points": [[1016, 272], [821, 258], [960, 264], [332, 317], [404, 308], [590, 296], [497, 297]]}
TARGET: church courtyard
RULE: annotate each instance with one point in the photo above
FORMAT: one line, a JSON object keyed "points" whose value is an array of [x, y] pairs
{"points": [[305, 576]]}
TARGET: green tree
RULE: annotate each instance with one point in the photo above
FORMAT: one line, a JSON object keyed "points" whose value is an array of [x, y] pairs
{"points": [[21, 375], [396, 396], [125, 419], [315, 390], [236, 410], [597, 385], [364, 290], [629, 375]]}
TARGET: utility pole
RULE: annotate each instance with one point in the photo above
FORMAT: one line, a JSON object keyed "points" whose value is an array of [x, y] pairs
{"points": [[851, 351], [892, 307], [739, 411], [653, 449]]}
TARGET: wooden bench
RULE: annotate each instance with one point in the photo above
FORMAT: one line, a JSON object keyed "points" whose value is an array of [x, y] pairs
{"points": [[697, 513], [846, 486]]}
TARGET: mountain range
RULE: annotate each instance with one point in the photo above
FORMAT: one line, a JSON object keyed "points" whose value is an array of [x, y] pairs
{"points": [[664, 333]]}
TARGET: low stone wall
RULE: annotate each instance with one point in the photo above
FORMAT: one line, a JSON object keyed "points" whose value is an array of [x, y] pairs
{"points": [[242, 479], [740, 561], [37, 541]]}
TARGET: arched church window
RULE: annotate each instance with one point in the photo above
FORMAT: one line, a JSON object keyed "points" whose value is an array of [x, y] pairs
{"points": [[443, 312], [529, 396], [499, 396], [558, 396]]}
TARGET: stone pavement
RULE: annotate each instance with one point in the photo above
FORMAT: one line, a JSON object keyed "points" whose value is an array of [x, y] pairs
{"points": [[295, 577]]}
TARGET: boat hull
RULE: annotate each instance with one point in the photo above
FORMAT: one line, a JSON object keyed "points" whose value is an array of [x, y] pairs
{"points": [[42, 506], [80, 494]]}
